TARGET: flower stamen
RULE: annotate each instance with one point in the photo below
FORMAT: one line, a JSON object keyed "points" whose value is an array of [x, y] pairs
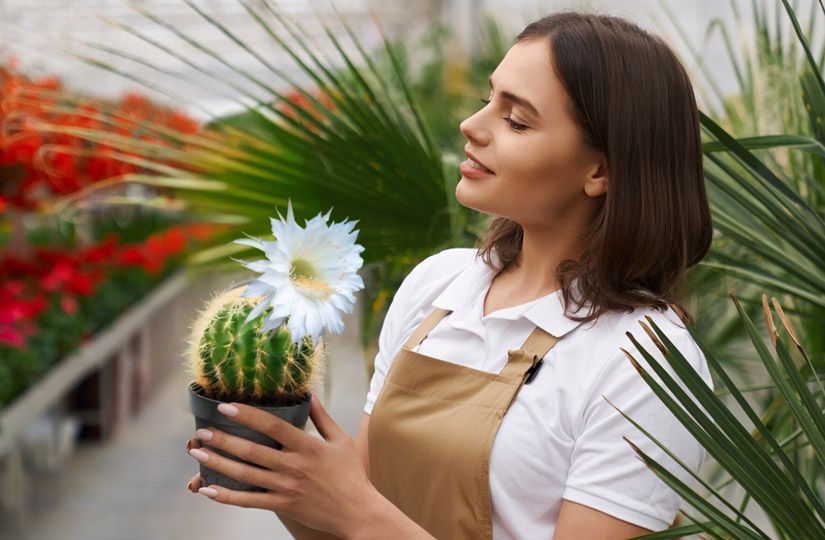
{"points": [[317, 287]]}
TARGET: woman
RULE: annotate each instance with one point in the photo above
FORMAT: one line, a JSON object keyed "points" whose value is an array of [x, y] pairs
{"points": [[491, 414]]}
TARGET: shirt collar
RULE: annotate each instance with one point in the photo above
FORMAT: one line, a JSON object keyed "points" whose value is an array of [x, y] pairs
{"points": [[547, 313]]}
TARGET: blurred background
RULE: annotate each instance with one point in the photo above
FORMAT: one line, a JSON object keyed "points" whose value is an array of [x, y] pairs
{"points": [[139, 138]]}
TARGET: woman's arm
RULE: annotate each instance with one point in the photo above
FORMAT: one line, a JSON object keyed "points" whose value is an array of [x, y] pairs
{"points": [[579, 521], [301, 532]]}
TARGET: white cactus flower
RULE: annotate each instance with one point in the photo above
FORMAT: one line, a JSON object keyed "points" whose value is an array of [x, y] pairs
{"points": [[308, 277]]}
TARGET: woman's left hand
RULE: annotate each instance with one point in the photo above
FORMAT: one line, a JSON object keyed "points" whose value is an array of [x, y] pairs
{"points": [[319, 483]]}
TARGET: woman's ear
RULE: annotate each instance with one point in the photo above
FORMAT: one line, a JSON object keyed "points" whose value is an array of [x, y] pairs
{"points": [[596, 184]]}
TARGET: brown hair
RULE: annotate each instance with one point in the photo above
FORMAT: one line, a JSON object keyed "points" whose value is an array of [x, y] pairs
{"points": [[633, 101]]}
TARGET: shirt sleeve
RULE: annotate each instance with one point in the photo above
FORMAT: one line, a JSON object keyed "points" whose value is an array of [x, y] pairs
{"points": [[605, 472]]}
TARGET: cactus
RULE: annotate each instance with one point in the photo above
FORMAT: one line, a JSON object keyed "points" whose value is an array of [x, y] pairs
{"points": [[236, 361]]}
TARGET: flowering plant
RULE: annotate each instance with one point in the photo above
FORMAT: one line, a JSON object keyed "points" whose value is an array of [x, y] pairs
{"points": [[57, 298], [38, 165], [262, 344]]}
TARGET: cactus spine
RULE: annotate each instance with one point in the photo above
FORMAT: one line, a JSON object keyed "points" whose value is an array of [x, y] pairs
{"points": [[234, 361]]}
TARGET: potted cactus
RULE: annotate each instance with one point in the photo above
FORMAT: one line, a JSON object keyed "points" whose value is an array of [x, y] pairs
{"points": [[262, 345]]}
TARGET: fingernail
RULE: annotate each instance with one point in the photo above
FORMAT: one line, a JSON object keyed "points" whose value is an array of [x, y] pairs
{"points": [[227, 409], [204, 435], [199, 454], [209, 492], [189, 486]]}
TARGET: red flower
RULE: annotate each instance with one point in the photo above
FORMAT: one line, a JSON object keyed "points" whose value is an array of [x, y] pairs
{"points": [[48, 83], [3, 205], [200, 231], [68, 304], [11, 313], [12, 287], [182, 123], [64, 175], [100, 252], [56, 277], [175, 240], [33, 102], [35, 307], [53, 257], [80, 284], [131, 256], [100, 167], [12, 336], [153, 265], [15, 311], [22, 150], [156, 246]]}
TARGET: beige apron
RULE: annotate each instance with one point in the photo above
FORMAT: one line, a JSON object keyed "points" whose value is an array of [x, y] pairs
{"points": [[432, 428]]}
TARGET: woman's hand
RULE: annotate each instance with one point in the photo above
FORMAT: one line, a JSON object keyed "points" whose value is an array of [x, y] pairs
{"points": [[319, 483]]}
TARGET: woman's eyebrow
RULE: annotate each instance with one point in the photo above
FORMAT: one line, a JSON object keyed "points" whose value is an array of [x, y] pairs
{"points": [[516, 99]]}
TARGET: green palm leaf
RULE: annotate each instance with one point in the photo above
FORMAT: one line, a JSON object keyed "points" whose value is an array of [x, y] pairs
{"points": [[759, 465]]}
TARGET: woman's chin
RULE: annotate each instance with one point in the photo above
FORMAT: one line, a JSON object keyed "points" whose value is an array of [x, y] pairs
{"points": [[464, 199], [471, 200]]}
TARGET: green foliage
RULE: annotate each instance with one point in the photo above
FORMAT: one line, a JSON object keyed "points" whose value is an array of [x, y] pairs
{"points": [[771, 114], [766, 194], [59, 334], [761, 461]]}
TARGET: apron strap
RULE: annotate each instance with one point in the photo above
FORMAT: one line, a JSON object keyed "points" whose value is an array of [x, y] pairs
{"points": [[539, 343], [524, 363], [424, 328]]}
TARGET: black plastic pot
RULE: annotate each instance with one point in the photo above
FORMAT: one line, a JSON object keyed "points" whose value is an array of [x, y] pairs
{"points": [[207, 415]]}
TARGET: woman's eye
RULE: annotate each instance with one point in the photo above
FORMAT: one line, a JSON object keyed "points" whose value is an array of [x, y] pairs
{"points": [[515, 125]]}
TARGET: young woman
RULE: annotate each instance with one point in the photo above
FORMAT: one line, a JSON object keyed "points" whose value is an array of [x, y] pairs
{"points": [[491, 412]]}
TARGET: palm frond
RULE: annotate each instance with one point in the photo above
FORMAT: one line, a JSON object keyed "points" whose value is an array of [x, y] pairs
{"points": [[759, 465]]}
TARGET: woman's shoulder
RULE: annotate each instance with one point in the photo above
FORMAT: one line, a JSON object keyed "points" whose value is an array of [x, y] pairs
{"points": [[429, 278], [437, 270], [620, 321], [616, 333], [445, 260]]}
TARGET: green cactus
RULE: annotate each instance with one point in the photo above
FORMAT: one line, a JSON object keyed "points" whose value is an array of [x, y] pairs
{"points": [[236, 361]]}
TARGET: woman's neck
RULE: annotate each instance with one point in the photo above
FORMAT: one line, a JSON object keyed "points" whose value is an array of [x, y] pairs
{"points": [[534, 271]]}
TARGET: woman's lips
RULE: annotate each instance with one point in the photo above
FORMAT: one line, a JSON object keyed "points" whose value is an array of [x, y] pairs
{"points": [[471, 169]]}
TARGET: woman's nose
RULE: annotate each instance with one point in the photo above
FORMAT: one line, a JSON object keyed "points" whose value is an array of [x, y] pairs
{"points": [[474, 131]]}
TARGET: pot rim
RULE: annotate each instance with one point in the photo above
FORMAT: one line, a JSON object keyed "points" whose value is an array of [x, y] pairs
{"points": [[197, 390]]}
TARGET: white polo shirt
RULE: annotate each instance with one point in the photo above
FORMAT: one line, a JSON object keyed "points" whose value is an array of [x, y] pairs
{"points": [[560, 439]]}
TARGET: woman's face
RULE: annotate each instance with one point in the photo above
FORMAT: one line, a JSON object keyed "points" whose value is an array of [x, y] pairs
{"points": [[539, 171]]}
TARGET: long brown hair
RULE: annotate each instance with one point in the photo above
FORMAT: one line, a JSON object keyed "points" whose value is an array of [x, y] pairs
{"points": [[633, 101]]}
